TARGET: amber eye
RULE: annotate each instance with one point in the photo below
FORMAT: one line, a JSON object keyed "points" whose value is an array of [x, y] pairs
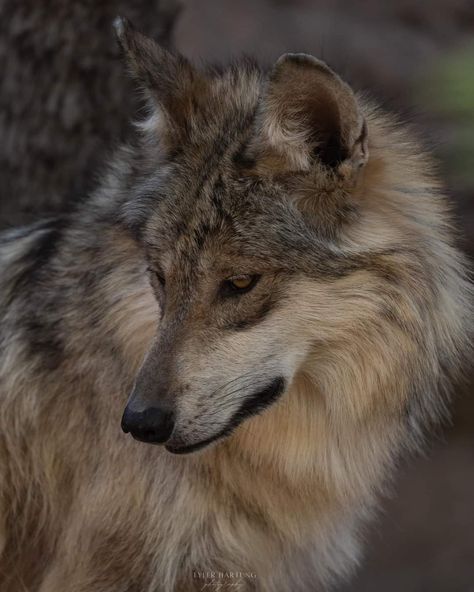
{"points": [[239, 284]]}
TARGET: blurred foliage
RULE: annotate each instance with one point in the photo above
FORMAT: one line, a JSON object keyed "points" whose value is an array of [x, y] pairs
{"points": [[450, 92]]}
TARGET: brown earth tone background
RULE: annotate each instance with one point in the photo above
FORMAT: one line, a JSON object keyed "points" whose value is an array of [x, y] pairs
{"points": [[64, 105]]}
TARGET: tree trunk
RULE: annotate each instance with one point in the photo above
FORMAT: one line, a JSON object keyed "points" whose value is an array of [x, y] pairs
{"points": [[65, 98]]}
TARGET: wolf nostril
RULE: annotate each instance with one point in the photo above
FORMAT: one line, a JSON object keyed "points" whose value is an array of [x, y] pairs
{"points": [[153, 425]]}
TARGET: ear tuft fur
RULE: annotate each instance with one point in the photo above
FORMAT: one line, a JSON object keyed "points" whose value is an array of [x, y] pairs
{"points": [[168, 79], [120, 25], [308, 114]]}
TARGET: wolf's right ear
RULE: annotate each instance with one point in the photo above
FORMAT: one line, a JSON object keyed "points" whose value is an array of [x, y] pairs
{"points": [[168, 80]]}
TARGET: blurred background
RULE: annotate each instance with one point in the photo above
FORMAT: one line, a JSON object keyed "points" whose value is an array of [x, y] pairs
{"points": [[65, 103]]}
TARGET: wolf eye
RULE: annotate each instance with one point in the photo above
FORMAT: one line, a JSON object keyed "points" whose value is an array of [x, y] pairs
{"points": [[239, 284]]}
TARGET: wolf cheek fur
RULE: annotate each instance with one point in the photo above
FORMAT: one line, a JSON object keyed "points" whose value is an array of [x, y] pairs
{"points": [[362, 310]]}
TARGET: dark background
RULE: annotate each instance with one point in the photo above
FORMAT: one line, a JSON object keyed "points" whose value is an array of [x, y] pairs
{"points": [[64, 105]]}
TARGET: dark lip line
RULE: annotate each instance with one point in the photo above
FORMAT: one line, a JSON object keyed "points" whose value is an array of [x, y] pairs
{"points": [[270, 394], [198, 445]]}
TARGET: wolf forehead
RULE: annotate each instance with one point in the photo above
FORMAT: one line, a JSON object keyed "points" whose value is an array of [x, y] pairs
{"points": [[197, 170], [205, 189], [224, 215]]}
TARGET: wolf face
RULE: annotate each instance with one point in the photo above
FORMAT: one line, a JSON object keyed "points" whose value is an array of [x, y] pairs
{"points": [[266, 246], [226, 239]]}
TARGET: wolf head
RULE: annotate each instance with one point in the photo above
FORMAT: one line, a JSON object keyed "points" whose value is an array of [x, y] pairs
{"points": [[264, 251]]}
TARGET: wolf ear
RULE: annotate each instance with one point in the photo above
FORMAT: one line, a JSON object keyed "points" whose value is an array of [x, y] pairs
{"points": [[168, 80], [308, 114]]}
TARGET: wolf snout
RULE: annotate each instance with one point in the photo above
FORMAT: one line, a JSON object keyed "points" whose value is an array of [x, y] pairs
{"points": [[152, 425]]}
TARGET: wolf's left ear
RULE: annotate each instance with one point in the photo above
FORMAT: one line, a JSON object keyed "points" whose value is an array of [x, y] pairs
{"points": [[169, 80], [308, 114]]}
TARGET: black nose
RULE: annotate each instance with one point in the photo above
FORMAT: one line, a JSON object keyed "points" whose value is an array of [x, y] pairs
{"points": [[153, 425]]}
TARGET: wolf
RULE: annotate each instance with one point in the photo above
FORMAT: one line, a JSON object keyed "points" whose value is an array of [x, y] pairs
{"points": [[265, 285]]}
